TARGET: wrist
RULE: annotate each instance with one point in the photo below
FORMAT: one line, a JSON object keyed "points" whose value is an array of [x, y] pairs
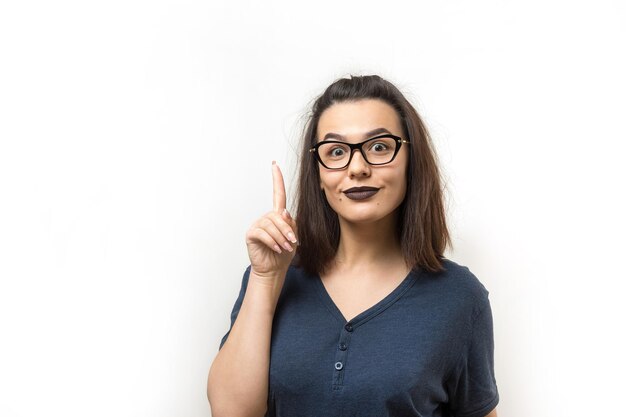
{"points": [[269, 280], [266, 277]]}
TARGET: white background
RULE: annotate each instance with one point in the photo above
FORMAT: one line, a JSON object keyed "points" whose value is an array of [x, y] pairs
{"points": [[136, 147]]}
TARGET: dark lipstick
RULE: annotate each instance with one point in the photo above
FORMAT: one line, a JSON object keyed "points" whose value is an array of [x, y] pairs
{"points": [[360, 193]]}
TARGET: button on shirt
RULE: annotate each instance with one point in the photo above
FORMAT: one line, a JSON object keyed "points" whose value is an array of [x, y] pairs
{"points": [[426, 349]]}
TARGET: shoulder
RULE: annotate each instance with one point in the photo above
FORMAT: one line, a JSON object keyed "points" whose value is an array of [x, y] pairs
{"points": [[458, 285]]}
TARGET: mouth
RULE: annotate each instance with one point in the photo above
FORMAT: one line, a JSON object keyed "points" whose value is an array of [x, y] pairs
{"points": [[360, 193]]}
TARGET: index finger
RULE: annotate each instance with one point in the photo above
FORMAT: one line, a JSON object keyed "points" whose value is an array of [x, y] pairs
{"points": [[280, 199]]}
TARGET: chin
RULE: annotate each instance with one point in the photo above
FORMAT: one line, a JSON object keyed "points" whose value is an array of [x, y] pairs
{"points": [[364, 217], [364, 221], [363, 212]]}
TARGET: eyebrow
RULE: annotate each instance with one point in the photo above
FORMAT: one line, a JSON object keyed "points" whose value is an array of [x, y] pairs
{"points": [[379, 130]]}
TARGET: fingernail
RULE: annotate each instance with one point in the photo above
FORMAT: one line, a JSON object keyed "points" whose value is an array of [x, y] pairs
{"points": [[288, 246], [277, 249], [292, 237], [273, 162]]}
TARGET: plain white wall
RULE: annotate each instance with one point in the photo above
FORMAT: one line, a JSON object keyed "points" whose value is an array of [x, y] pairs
{"points": [[136, 147]]}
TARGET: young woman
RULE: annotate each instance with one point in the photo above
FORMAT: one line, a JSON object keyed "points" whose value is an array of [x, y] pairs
{"points": [[350, 308]]}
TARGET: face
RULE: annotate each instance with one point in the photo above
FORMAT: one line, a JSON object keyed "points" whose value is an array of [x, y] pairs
{"points": [[352, 120]]}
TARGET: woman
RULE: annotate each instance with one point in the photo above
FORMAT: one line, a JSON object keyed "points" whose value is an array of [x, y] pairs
{"points": [[350, 309]]}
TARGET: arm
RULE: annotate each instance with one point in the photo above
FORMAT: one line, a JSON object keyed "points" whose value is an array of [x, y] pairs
{"points": [[239, 376], [238, 379]]}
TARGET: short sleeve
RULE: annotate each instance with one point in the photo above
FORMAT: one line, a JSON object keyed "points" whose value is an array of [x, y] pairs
{"points": [[238, 302], [472, 386]]}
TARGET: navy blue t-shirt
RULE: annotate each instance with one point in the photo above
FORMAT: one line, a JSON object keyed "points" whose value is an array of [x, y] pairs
{"points": [[426, 349]]}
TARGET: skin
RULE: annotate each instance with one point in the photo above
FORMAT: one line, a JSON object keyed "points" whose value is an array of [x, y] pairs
{"points": [[352, 119], [272, 237], [238, 379], [367, 243]]}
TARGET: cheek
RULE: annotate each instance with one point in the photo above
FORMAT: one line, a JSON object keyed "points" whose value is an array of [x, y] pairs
{"points": [[401, 188], [332, 197], [337, 200], [329, 185]]}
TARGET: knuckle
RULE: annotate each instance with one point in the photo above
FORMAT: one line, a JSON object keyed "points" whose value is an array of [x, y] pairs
{"points": [[251, 236], [274, 215]]}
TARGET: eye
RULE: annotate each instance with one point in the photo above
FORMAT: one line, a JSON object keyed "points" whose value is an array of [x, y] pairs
{"points": [[337, 151], [379, 147]]}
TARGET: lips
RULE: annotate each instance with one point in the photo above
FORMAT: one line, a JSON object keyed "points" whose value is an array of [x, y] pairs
{"points": [[360, 193]]}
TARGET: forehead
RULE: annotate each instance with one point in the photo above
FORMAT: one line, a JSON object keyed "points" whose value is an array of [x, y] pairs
{"points": [[353, 119]]}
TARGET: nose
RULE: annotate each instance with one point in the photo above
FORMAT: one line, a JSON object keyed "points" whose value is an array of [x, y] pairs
{"points": [[358, 165]]}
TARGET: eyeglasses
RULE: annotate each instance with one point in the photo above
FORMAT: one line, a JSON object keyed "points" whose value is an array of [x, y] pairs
{"points": [[379, 150]]}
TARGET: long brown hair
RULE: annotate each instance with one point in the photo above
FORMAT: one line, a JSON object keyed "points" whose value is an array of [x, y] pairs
{"points": [[421, 226]]}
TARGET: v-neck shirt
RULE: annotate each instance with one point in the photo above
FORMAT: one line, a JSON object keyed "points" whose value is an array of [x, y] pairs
{"points": [[426, 349], [378, 307]]}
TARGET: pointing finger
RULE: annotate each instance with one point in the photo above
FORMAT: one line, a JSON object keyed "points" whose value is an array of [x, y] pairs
{"points": [[280, 199]]}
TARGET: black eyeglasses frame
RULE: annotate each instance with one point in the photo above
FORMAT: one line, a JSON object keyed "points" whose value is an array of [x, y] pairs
{"points": [[359, 146]]}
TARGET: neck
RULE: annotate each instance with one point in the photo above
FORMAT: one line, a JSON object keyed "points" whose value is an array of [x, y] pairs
{"points": [[367, 246]]}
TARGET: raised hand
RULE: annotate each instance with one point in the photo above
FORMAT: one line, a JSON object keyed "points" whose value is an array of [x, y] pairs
{"points": [[272, 238]]}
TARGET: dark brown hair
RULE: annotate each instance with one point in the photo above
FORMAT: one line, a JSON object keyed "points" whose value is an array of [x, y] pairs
{"points": [[421, 226]]}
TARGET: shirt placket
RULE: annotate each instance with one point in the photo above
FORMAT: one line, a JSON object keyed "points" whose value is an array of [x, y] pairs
{"points": [[341, 356]]}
